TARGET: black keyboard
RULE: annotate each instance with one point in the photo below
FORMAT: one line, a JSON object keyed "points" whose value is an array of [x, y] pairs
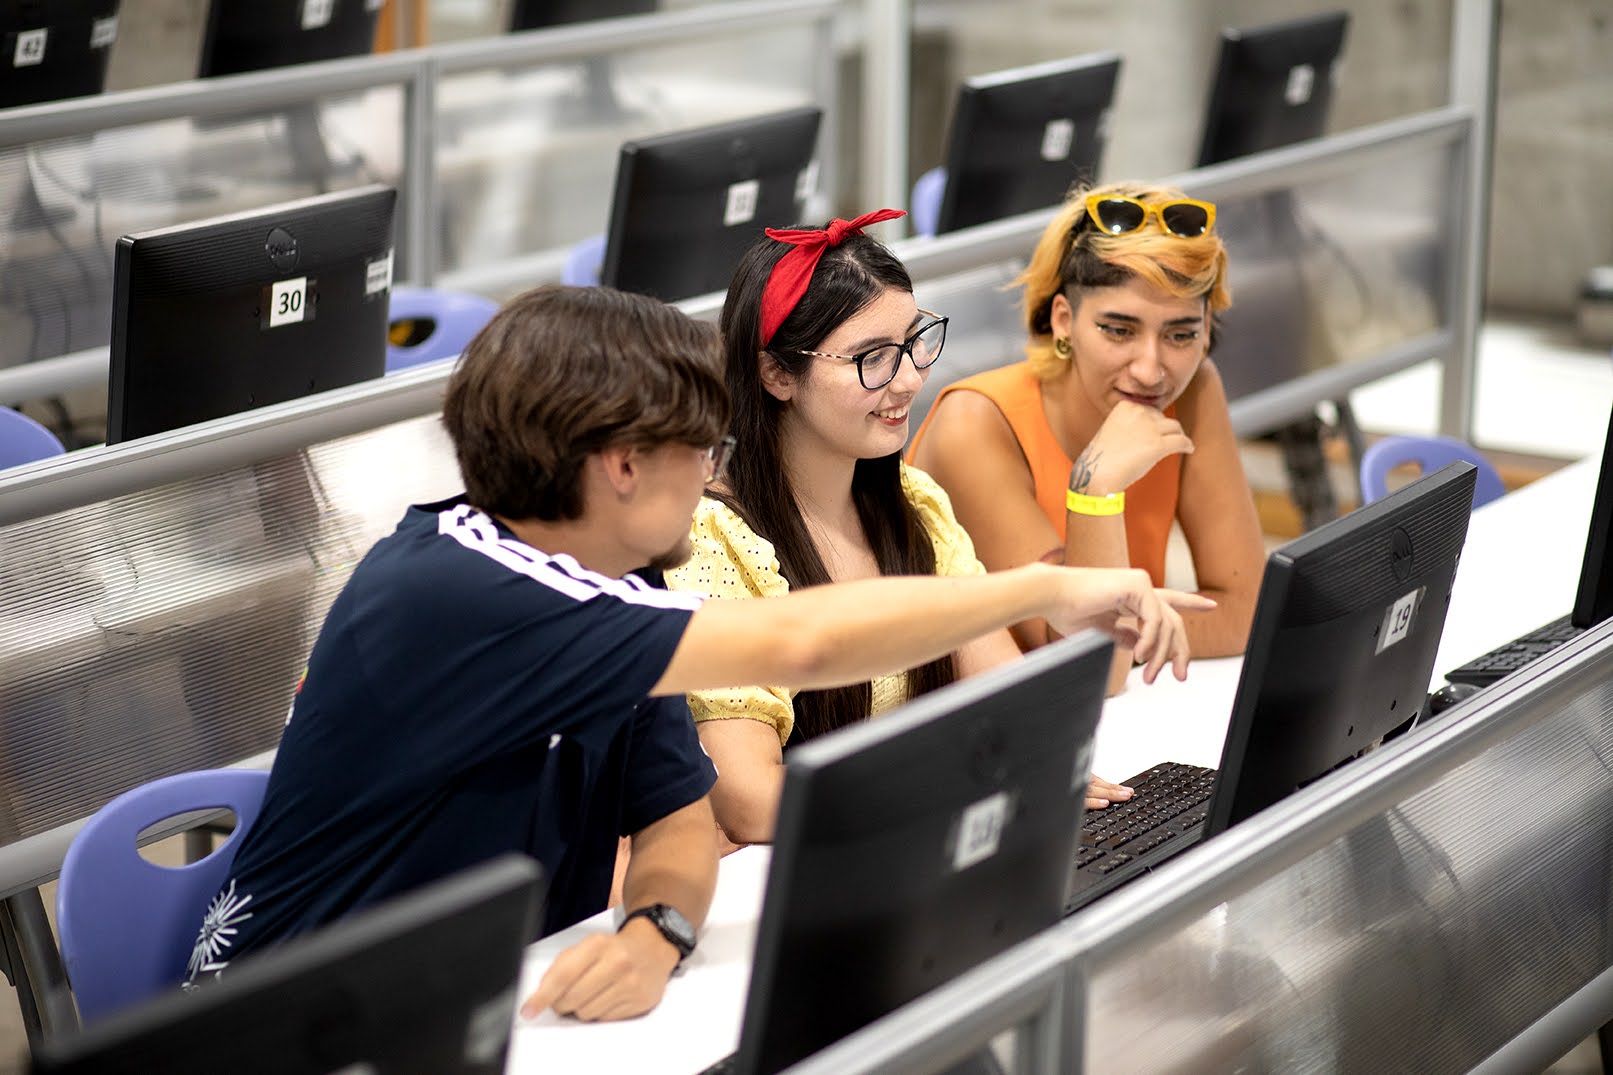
{"points": [[1503, 660], [1164, 815]]}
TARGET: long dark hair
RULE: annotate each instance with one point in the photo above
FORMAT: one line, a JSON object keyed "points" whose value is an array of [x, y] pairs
{"points": [[849, 277]]}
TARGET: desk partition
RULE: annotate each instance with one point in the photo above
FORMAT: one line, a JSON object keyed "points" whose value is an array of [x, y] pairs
{"points": [[1346, 260], [502, 149], [1419, 910], [1441, 905]]}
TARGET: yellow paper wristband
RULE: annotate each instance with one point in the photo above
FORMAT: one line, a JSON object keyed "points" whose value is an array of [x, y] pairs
{"points": [[1082, 504]]}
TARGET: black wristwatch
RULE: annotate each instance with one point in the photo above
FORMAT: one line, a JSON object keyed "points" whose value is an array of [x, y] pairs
{"points": [[673, 926]]}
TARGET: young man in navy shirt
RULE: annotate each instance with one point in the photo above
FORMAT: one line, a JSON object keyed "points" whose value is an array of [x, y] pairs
{"points": [[495, 677]]}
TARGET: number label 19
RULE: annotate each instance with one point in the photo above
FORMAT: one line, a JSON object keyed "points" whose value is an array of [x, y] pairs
{"points": [[1397, 621]]}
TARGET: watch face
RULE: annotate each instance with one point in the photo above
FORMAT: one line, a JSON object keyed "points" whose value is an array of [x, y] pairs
{"points": [[675, 926]]}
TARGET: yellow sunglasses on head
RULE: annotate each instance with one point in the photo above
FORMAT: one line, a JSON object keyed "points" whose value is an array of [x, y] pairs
{"points": [[1116, 214]]}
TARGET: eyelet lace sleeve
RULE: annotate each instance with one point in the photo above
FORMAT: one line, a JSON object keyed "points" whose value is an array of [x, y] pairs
{"points": [[954, 549], [730, 561]]}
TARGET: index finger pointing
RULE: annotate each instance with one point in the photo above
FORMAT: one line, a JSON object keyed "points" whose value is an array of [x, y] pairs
{"points": [[562, 974]]}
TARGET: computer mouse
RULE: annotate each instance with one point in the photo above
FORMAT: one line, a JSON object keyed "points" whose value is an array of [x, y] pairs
{"points": [[1448, 695]]}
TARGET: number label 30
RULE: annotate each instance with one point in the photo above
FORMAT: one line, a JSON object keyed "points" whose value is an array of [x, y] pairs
{"points": [[288, 301]]}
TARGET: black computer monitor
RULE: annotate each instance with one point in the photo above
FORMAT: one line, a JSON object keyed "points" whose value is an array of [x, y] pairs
{"points": [[219, 316], [1021, 138], [257, 35], [1273, 86], [597, 101], [1593, 602], [539, 14], [51, 51], [1342, 647], [913, 847], [688, 204], [425, 983]]}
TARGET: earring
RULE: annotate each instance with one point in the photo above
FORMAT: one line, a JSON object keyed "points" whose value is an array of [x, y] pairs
{"points": [[1062, 348]]}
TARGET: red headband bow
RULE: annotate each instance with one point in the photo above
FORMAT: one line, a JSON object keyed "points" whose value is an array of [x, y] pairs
{"points": [[790, 277]]}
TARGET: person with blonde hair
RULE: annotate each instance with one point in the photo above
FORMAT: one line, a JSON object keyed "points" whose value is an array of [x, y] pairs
{"points": [[1115, 426]]}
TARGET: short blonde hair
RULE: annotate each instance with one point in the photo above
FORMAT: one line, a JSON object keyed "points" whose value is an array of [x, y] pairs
{"points": [[1071, 258]]}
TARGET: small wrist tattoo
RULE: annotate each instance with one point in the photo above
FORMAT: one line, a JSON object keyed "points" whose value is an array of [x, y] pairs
{"points": [[1081, 472]]}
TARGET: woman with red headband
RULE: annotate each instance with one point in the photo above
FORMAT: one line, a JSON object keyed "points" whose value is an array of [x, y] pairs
{"points": [[1116, 425], [826, 350]]}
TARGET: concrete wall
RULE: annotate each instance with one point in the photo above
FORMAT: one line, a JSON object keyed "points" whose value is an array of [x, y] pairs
{"points": [[1552, 214]]}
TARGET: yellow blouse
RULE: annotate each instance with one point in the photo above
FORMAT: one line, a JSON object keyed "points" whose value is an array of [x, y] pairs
{"points": [[731, 561]]}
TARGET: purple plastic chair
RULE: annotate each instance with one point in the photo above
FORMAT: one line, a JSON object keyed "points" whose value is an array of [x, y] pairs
{"points": [[584, 262], [926, 201], [23, 440], [126, 925], [453, 318], [1430, 453]]}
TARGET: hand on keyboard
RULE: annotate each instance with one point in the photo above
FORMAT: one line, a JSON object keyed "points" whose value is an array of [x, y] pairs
{"points": [[1101, 793]]}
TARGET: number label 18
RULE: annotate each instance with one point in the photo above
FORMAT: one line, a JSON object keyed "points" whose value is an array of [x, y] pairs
{"points": [[980, 830]]}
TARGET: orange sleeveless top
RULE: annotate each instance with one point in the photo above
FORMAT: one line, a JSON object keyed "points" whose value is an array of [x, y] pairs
{"points": [[1150, 501]]}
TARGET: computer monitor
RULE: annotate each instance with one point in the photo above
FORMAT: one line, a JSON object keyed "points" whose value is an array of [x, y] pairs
{"points": [[425, 983], [1593, 602], [689, 203], [596, 101], [1021, 138], [256, 36], [1342, 647], [539, 14], [1273, 86], [912, 847], [51, 51], [216, 317], [48, 52]]}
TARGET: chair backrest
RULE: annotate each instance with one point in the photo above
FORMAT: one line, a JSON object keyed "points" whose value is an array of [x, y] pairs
{"points": [[926, 201], [448, 319], [23, 440], [127, 925], [1430, 453], [584, 262]]}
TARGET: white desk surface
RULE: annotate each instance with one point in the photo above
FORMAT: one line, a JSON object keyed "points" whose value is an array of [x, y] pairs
{"points": [[697, 1021], [1519, 570]]}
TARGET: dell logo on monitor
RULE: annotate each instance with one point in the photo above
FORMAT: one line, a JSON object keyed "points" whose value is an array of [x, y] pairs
{"points": [[281, 247], [1400, 553]]}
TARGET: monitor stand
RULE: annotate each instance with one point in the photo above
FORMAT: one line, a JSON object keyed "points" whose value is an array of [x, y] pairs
{"points": [[299, 145], [597, 103], [305, 141], [31, 214]]}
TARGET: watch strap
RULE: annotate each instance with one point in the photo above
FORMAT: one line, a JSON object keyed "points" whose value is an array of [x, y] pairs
{"points": [[656, 914]]}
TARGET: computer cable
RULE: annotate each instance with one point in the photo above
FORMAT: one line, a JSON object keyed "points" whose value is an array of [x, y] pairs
{"points": [[1311, 232], [85, 272], [354, 159]]}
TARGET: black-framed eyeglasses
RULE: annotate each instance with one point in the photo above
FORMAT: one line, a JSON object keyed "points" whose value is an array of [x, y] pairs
{"points": [[877, 366], [717, 456]]}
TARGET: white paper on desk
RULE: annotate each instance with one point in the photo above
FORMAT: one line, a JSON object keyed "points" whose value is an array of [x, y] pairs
{"points": [[697, 1021]]}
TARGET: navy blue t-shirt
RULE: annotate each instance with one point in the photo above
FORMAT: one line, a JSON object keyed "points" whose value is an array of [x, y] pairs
{"points": [[468, 695]]}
